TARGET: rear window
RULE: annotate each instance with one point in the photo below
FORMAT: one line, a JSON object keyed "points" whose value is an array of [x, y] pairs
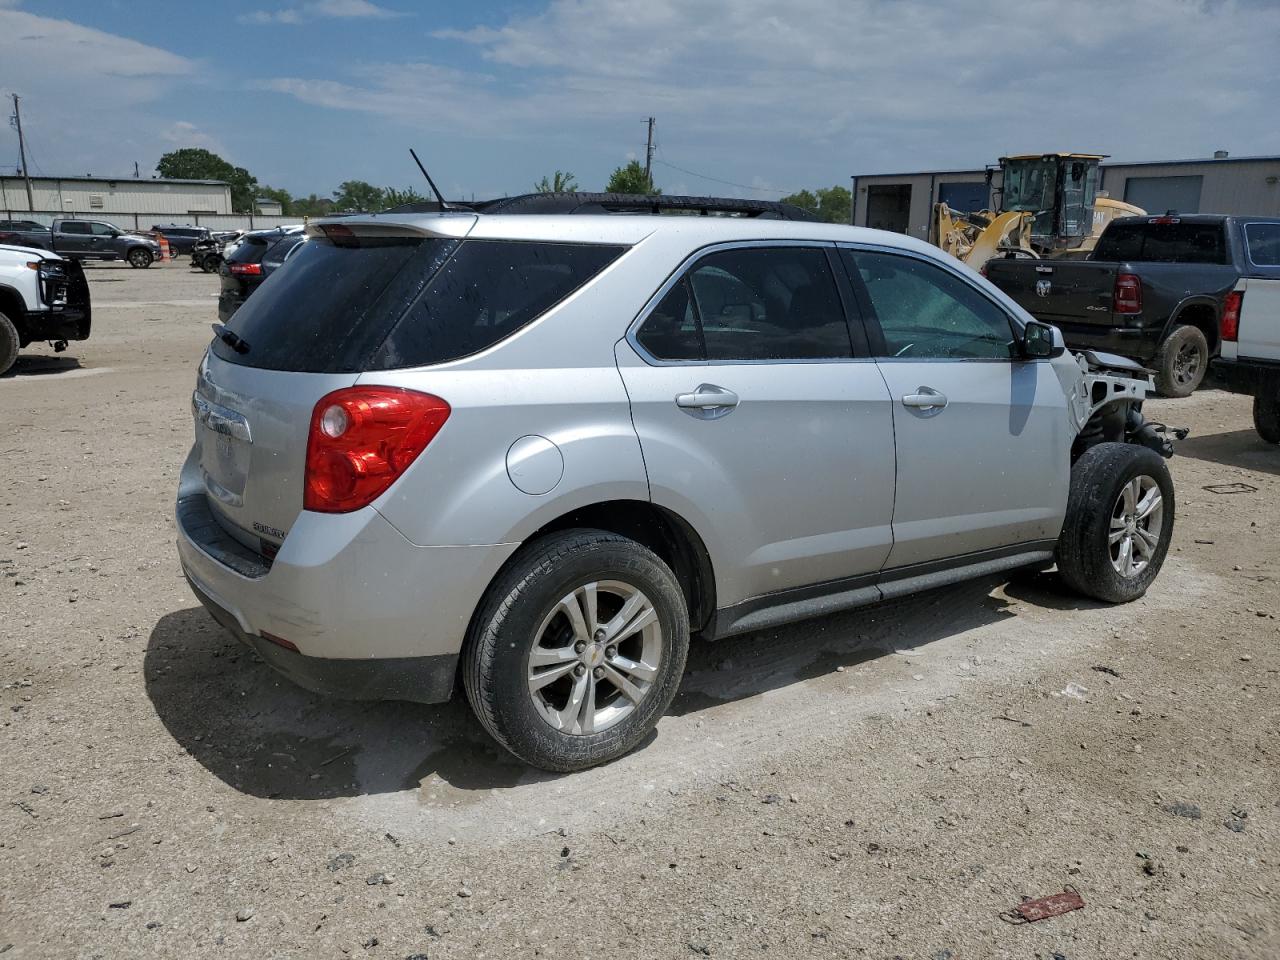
{"points": [[484, 294], [1177, 242], [401, 302], [1264, 243]]}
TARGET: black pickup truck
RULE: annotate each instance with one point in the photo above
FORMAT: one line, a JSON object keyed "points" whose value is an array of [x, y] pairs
{"points": [[1154, 289]]}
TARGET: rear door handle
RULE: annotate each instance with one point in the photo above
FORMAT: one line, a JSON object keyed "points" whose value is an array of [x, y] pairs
{"points": [[925, 398], [708, 401]]}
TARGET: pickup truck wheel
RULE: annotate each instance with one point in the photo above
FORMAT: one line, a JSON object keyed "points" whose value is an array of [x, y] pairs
{"points": [[1266, 417], [1119, 522], [577, 649], [140, 258], [9, 342], [1182, 362]]}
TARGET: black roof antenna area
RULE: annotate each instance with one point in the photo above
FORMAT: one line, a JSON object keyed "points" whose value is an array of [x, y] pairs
{"points": [[444, 205]]}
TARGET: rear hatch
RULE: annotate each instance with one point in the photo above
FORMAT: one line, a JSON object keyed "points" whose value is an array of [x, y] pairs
{"points": [[1058, 291], [307, 331]]}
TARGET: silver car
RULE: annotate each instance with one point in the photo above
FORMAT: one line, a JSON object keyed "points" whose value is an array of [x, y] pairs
{"points": [[541, 451]]}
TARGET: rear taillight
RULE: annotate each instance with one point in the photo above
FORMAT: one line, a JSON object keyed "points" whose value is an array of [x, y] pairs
{"points": [[1230, 325], [1127, 296], [362, 439], [245, 269]]}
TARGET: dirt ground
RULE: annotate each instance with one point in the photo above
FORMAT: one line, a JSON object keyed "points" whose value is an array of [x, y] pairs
{"points": [[879, 784]]}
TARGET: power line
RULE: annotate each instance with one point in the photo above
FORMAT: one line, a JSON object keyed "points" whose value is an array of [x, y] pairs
{"points": [[728, 183]]}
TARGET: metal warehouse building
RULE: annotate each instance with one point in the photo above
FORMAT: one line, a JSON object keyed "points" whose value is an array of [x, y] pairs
{"points": [[1244, 186], [121, 200]]}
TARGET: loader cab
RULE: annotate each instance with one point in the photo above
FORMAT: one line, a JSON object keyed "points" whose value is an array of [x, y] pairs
{"points": [[1058, 189]]}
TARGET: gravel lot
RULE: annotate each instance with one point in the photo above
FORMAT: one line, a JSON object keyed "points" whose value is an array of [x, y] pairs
{"points": [[879, 784]]}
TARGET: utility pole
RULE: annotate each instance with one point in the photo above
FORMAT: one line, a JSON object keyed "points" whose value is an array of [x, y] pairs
{"points": [[648, 158], [22, 153]]}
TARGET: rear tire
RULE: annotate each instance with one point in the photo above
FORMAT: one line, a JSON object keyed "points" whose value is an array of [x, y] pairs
{"points": [[140, 258], [9, 344], [547, 600], [210, 264], [1100, 520], [1266, 417], [1182, 362]]}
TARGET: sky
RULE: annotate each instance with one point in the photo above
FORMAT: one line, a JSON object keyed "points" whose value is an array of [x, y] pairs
{"points": [[753, 98]]}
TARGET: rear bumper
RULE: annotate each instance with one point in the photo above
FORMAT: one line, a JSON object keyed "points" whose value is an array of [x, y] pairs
{"points": [[421, 679], [1253, 377], [372, 615], [1140, 343]]}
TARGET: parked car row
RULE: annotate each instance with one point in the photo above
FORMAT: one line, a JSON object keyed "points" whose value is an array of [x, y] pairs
{"points": [[79, 239]]}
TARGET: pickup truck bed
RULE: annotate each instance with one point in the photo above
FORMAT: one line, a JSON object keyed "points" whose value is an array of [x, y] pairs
{"points": [[1154, 290]]}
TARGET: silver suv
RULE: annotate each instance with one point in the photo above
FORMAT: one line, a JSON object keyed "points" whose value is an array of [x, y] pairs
{"points": [[542, 451]]}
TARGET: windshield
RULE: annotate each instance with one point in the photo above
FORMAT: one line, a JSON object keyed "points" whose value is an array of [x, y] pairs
{"points": [[1029, 185]]}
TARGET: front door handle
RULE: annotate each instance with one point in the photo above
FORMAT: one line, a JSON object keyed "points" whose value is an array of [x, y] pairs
{"points": [[925, 398], [708, 401]]}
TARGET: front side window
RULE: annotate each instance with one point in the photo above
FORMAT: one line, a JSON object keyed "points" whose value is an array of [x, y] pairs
{"points": [[102, 229], [753, 303], [927, 312]]}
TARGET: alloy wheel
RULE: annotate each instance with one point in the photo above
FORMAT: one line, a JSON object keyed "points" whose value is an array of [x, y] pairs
{"points": [[595, 657], [1137, 519], [1186, 365]]}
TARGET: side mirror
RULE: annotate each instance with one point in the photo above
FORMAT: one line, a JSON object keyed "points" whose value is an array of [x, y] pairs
{"points": [[1040, 341]]}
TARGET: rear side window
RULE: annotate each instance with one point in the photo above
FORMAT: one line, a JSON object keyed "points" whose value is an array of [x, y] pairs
{"points": [[487, 291], [73, 226], [752, 303], [1176, 242], [332, 306], [1264, 243]]}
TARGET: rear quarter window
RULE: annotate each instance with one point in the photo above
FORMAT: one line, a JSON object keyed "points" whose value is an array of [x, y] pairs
{"points": [[486, 292]]}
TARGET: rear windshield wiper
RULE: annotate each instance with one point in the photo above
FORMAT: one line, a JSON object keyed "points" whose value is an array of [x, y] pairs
{"points": [[236, 343]]}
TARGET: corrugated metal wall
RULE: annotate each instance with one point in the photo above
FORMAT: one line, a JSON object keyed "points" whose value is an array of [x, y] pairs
{"points": [[106, 197], [1237, 187]]}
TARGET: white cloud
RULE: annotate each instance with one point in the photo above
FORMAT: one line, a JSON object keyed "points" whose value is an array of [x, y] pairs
{"points": [[321, 9], [183, 133]]}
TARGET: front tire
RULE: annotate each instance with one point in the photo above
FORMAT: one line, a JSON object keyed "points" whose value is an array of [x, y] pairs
{"points": [[140, 258], [9, 344], [1266, 417], [1119, 522], [1182, 362], [577, 650]]}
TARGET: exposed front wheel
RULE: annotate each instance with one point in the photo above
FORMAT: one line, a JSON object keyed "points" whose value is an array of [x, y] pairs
{"points": [[1182, 362], [577, 650], [1266, 417], [1119, 522], [140, 258], [9, 344]]}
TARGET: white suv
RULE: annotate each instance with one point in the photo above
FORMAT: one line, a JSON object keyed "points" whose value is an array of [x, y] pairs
{"points": [[544, 450]]}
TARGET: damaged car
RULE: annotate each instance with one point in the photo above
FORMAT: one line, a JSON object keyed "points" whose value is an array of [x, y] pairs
{"points": [[537, 445]]}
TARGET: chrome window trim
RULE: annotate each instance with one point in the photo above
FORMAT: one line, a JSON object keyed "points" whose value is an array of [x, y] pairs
{"points": [[679, 274]]}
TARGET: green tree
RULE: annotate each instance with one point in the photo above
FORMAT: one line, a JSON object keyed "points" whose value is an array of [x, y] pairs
{"points": [[831, 204], [562, 181], [631, 179], [391, 197], [356, 195], [311, 206], [197, 163]]}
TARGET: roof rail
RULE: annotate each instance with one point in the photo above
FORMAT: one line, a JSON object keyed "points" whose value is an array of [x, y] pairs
{"points": [[623, 203]]}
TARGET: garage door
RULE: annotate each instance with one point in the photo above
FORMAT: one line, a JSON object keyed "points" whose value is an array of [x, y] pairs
{"points": [[1162, 194], [965, 196]]}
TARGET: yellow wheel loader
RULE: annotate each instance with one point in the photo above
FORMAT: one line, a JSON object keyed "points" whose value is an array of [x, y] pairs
{"points": [[1048, 207]]}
